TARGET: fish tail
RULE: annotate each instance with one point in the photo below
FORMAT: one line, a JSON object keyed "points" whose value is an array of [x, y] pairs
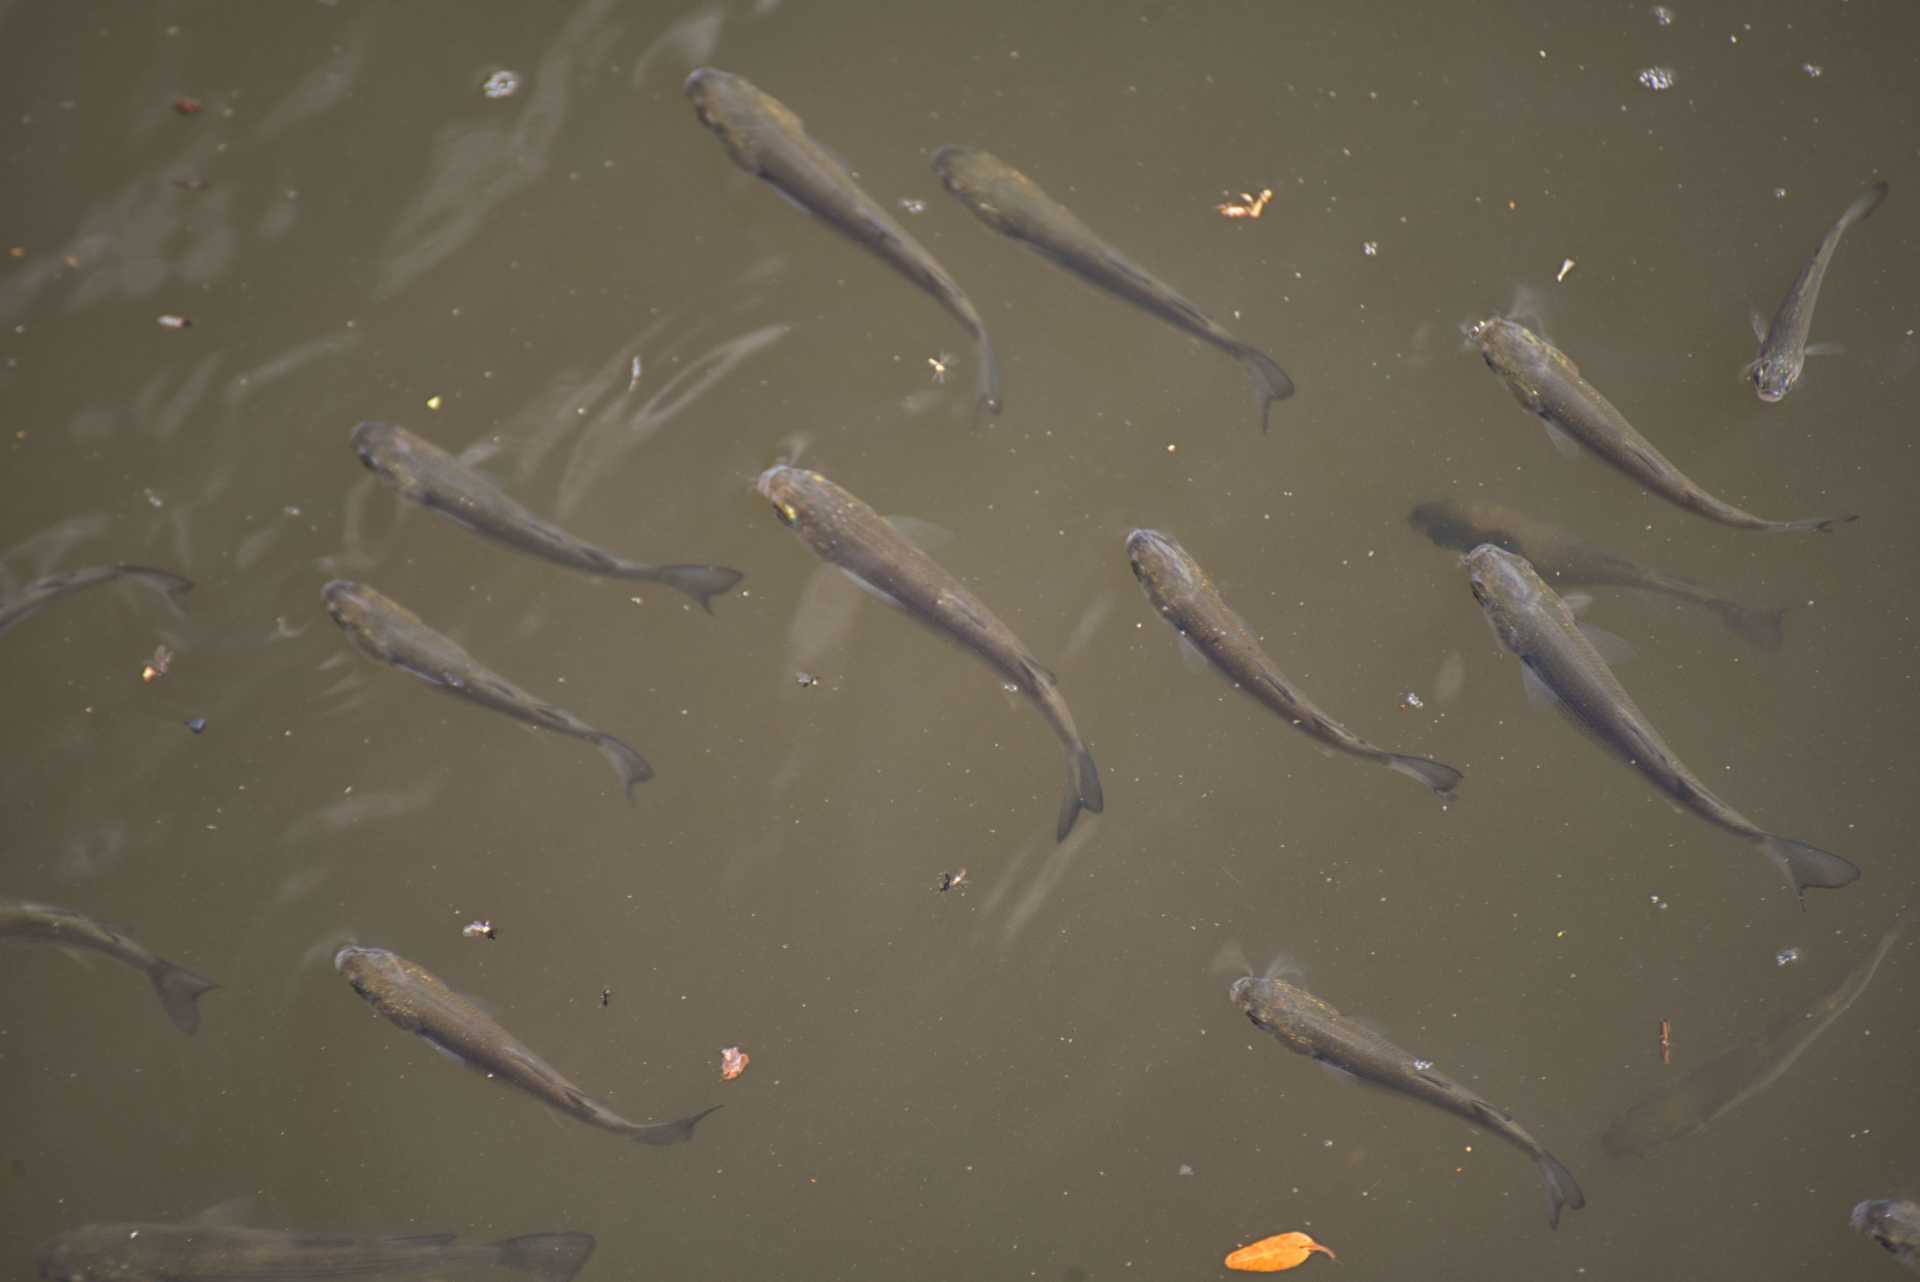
{"points": [[1083, 789], [989, 381], [678, 1131], [1863, 204], [1562, 1189], [701, 582], [165, 581], [1816, 524], [179, 990], [1807, 865], [555, 1257], [628, 764], [1762, 627], [1437, 775], [1270, 382]]}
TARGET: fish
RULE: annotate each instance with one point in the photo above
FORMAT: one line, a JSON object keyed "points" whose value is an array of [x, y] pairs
{"points": [[1895, 1225], [36, 596], [424, 473], [1014, 205], [1775, 371], [222, 1253], [1567, 561], [845, 532], [1547, 383], [766, 139], [1715, 1088], [178, 988], [1303, 1023], [1183, 594], [385, 630], [1561, 665], [415, 999]]}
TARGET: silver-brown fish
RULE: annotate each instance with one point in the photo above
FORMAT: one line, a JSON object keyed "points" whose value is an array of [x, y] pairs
{"points": [[845, 532], [1303, 1023], [1546, 382], [222, 1253], [426, 474], [178, 988], [1783, 344], [384, 629], [1894, 1224], [1014, 205], [415, 999], [1561, 666], [36, 596], [768, 141], [1185, 597]]}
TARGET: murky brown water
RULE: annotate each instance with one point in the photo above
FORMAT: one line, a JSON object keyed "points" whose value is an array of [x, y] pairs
{"points": [[1038, 1074]]}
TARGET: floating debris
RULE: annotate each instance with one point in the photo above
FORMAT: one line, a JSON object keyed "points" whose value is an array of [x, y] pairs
{"points": [[606, 996], [1786, 957], [1666, 1041], [197, 724], [188, 106], [1657, 78], [1370, 248], [951, 881], [806, 679], [1408, 699], [938, 364], [479, 930], [1662, 15], [1184, 1169], [434, 402], [911, 205], [733, 1062], [1566, 266], [192, 184], [173, 321], [501, 84], [1422, 1065], [633, 380], [1656, 901], [1812, 69], [157, 666], [1248, 206], [1273, 1254]]}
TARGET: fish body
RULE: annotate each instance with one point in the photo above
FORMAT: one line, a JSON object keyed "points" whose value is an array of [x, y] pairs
{"points": [[1014, 205], [1547, 383], [766, 139], [426, 474], [845, 532], [1183, 594], [1715, 1088], [39, 594], [1567, 561], [413, 998], [1303, 1023], [178, 988], [387, 631], [220, 1253], [1537, 626], [1895, 1225], [1783, 347]]}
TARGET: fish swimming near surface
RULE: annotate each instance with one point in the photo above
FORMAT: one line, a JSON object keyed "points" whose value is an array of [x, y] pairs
{"points": [[178, 988], [1012, 204], [413, 998], [1183, 594], [222, 1253], [767, 140], [1715, 1088], [1562, 666], [1783, 344], [1303, 1023], [36, 596], [846, 533], [1895, 1225], [1547, 383], [388, 631], [1566, 561], [426, 474]]}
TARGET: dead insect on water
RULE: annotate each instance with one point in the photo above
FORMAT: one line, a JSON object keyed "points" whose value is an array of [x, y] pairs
{"points": [[157, 666], [951, 880], [606, 996], [806, 679], [1248, 206], [1666, 1041], [482, 929], [733, 1062]]}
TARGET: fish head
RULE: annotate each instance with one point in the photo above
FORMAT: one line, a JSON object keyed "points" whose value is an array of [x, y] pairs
{"points": [[348, 603], [96, 1253], [1774, 376], [971, 176], [374, 441], [796, 495], [1255, 996], [1508, 347], [735, 111], [1894, 1225], [1507, 587], [1445, 522], [365, 968]]}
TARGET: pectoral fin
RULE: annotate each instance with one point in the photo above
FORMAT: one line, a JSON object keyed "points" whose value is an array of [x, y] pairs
{"points": [[1611, 647], [1568, 447], [1539, 693]]}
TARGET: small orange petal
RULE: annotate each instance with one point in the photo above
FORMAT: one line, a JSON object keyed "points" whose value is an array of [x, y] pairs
{"points": [[1273, 1254]]}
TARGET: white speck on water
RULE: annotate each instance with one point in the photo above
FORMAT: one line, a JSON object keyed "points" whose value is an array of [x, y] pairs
{"points": [[1185, 1169], [1786, 957], [1657, 78], [1813, 69], [1422, 1065], [1663, 15], [153, 500], [1779, 193], [1371, 248], [913, 206], [501, 84]]}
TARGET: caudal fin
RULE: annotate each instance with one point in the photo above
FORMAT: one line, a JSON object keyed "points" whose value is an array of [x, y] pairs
{"points": [[1563, 1190], [989, 380], [701, 582], [660, 1134], [1270, 382], [1863, 204], [173, 585], [1807, 865], [1764, 628], [1819, 524], [179, 990], [1083, 790], [628, 764], [1439, 776], [554, 1257]]}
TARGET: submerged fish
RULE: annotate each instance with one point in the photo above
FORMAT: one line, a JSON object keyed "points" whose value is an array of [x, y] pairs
{"points": [[36, 596], [413, 998], [1560, 665], [388, 631], [1186, 598], [426, 474], [1302, 1022], [1546, 382], [847, 533], [1566, 561], [1012, 204], [1731, 1078], [1894, 1225], [218, 1253], [767, 140], [1783, 344], [178, 988]]}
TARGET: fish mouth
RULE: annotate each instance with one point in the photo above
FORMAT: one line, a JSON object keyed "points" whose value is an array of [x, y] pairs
{"points": [[341, 955], [363, 439], [1240, 992]]}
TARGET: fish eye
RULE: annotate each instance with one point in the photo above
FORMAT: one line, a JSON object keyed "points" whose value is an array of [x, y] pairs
{"points": [[785, 512]]}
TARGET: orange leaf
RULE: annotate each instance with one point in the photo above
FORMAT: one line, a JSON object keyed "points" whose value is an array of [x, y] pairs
{"points": [[1272, 1254]]}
